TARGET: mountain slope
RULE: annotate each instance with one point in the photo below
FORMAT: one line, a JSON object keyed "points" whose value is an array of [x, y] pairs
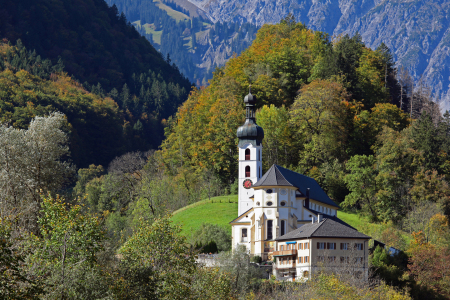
{"points": [[417, 32], [193, 43], [98, 48], [95, 43]]}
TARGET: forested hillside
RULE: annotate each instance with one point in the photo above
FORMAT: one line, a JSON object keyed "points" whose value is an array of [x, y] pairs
{"points": [[193, 43], [333, 110], [99, 49]]}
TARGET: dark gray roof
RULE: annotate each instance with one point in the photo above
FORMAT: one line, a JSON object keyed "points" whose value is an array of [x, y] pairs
{"points": [[327, 216], [328, 228], [279, 176]]}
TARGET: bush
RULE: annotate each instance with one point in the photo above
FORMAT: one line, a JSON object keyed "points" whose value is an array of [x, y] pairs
{"points": [[256, 259], [208, 233]]}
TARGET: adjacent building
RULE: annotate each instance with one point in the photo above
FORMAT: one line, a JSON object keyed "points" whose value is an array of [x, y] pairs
{"points": [[287, 216]]}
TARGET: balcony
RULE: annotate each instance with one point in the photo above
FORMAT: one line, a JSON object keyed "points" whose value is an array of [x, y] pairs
{"points": [[285, 252]]}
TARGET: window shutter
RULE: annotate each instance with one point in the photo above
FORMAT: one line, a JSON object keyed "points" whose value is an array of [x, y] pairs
{"points": [[318, 245], [342, 246], [334, 246], [327, 245]]}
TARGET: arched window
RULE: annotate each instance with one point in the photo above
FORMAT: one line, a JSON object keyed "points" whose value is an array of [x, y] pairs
{"points": [[269, 229], [283, 227], [247, 154], [247, 171]]}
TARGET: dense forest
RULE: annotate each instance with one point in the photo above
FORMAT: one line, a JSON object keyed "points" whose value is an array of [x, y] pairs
{"points": [[187, 40], [334, 110], [110, 59]]}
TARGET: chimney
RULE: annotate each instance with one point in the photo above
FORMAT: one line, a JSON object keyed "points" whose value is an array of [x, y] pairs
{"points": [[307, 198], [319, 218]]}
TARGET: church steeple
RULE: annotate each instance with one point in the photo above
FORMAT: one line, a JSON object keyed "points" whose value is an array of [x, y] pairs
{"points": [[250, 154], [250, 132]]}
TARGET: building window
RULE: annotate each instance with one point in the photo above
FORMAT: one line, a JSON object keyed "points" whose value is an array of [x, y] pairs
{"points": [[259, 172], [283, 203], [247, 154], [259, 154], [247, 171], [269, 203], [306, 260], [306, 246], [344, 246], [331, 259], [344, 260], [359, 246], [321, 245], [320, 258], [257, 203], [269, 191], [269, 229], [281, 247], [331, 246], [244, 235], [283, 227], [300, 246], [288, 247]]}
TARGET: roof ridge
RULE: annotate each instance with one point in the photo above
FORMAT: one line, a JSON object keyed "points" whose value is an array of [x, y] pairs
{"points": [[321, 223], [281, 173]]}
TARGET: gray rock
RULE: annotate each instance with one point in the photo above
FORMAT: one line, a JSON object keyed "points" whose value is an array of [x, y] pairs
{"points": [[417, 32]]}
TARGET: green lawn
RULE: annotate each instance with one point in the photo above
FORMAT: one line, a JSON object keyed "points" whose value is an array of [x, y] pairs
{"points": [[353, 219], [220, 210]]}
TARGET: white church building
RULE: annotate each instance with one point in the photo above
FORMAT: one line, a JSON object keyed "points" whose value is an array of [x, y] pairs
{"points": [[286, 215]]}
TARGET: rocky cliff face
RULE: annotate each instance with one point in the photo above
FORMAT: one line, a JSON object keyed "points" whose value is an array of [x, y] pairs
{"points": [[417, 32]]}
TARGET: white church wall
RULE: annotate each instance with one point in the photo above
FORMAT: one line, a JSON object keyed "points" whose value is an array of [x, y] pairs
{"points": [[245, 203]]}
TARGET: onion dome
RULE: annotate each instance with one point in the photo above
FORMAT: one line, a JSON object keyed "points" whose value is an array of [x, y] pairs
{"points": [[250, 132]]}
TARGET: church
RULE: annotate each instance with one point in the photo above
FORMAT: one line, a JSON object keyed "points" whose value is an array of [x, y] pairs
{"points": [[287, 218]]}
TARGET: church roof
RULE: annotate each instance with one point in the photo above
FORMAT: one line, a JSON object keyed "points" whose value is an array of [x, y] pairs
{"points": [[244, 213], [328, 228], [279, 176]]}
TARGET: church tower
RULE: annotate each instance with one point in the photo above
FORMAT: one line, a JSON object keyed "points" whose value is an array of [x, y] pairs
{"points": [[250, 155]]}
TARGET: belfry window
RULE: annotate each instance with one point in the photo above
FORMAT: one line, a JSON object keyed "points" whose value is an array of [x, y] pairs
{"points": [[283, 227], [247, 171], [247, 154]]}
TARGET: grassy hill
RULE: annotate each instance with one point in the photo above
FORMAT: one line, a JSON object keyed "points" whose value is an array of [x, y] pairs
{"points": [[221, 210]]}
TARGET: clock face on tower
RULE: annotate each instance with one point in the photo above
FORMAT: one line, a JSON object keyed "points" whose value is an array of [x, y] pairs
{"points": [[247, 183]]}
